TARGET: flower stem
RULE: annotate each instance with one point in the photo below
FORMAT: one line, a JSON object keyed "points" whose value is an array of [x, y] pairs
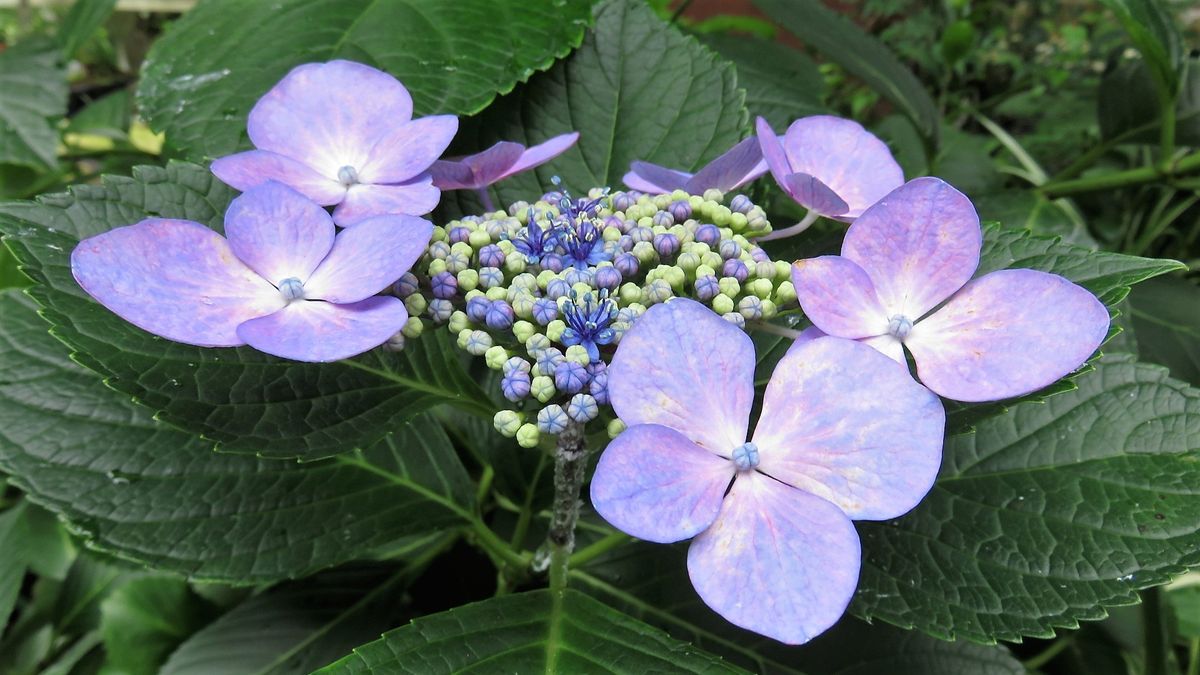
{"points": [[488, 204], [1157, 641], [768, 327], [809, 219], [1169, 170], [570, 461]]}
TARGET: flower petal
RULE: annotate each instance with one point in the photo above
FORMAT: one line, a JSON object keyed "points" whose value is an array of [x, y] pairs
{"points": [[844, 156], [408, 149], [319, 332], [773, 152], [849, 425], [735, 167], [174, 278], [655, 179], [777, 561], [368, 257], [540, 154], [919, 245], [811, 193], [655, 484], [837, 296], [889, 346], [686, 368], [476, 171], [415, 198], [329, 115], [1007, 333], [245, 170], [278, 232]]}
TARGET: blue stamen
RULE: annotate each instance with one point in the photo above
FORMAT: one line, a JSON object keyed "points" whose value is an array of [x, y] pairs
{"points": [[589, 322], [745, 456], [899, 326], [292, 289], [347, 175]]}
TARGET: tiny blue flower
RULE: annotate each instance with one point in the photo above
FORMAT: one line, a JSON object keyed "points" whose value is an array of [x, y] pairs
{"points": [[534, 241], [588, 323]]}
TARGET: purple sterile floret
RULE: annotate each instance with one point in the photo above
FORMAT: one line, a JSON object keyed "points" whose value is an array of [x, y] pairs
{"points": [[737, 166], [504, 159], [282, 280], [569, 377], [829, 165], [499, 315], [443, 285], [477, 308], [999, 335], [515, 385], [588, 323], [491, 256], [545, 310], [342, 133], [776, 552]]}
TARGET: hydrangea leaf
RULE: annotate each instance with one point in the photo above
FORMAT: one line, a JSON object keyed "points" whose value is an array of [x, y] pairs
{"points": [[1164, 316], [35, 90], [144, 619], [203, 76], [245, 400], [525, 633], [636, 89], [1047, 513], [141, 490], [782, 83]]}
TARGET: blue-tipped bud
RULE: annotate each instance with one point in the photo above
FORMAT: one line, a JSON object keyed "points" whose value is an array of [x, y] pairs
{"points": [[395, 343], [583, 408], [548, 362], [438, 250], [444, 285], [735, 319], [515, 385], [680, 210], [759, 255], [598, 387], [500, 315], [627, 264], [439, 310], [570, 377], [491, 256], [574, 276], [663, 219], [537, 344], [552, 419], [545, 310], [666, 244], [477, 343], [557, 288], [638, 234], [708, 234], [458, 234], [729, 249], [406, 286], [625, 243], [657, 291], [621, 201], [608, 277], [514, 364], [477, 308], [706, 288], [490, 277], [735, 268], [750, 307], [741, 204], [507, 422]]}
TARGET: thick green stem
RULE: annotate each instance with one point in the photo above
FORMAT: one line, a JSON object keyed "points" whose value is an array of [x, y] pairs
{"points": [[1154, 632], [1047, 655], [1120, 179]]}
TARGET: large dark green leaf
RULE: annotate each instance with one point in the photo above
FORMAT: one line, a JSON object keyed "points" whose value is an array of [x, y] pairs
{"points": [[1047, 513], [839, 40], [137, 488], [635, 90], [1166, 318], [35, 90], [781, 82], [203, 76], [246, 400], [526, 633]]}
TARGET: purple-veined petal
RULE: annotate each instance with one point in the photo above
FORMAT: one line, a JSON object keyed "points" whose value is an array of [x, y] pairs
{"points": [[319, 332], [278, 232], [415, 198], [1007, 333], [408, 149], [540, 154], [777, 561], [837, 296], [848, 424], [919, 245], [655, 484], [811, 193], [655, 179], [245, 170], [475, 171], [735, 167], [773, 153], [841, 154], [368, 257], [686, 368], [329, 115], [174, 278]]}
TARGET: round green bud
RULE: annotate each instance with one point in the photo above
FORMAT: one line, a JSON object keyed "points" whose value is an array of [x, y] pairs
{"points": [[578, 354], [722, 304], [415, 304], [525, 280], [474, 293], [542, 388], [678, 195], [479, 238], [721, 215], [461, 248], [507, 422], [714, 195], [514, 263], [545, 277], [688, 262], [610, 234], [554, 329], [729, 286], [737, 221], [413, 327], [662, 201], [458, 321], [506, 247], [536, 343], [705, 271], [528, 435], [646, 221], [439, 234], [761, 287], [580, 289], [785, 293], [762, 270], [615, 427], [463, 336], [478, 342], [644, 252], [496, 293], [782, 270], [523, 305], [657, 291], [436, 266], [495, 357], [468, 280], [713, 260], [676, 277], [630, 293], [695, 201], [769, 309], [523, 330]]}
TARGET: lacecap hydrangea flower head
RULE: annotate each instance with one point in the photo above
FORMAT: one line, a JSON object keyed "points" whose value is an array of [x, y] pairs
{"points": [[845, 434]]}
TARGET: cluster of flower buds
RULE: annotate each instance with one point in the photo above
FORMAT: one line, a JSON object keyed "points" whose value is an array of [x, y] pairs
{"points": [[545, 291]]}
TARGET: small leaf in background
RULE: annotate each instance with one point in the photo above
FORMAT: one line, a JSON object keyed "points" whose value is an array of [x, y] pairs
{"points": [[13, 559], [781, 82], [1129, 109], [205, 74], [635, 90], [146, 618], [35, 92], [1166, 319], [81, 22], [1152, 29]]}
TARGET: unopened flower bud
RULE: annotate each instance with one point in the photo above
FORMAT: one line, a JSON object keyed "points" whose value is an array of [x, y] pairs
{"points": [[765, 270], [515, 363], [514, 263], [457, 234], [741, 204], [477, 308], [528, 436], [621, 201], [662, 219], [666, 245], [499, 315], [495, 357], [639, 234], [542, 388], [479, 239], [583, 408], [708, 234], [578, 354], [552, 419], [730, 286], [570, 377], [523, 330], [729, 249], [735, 319], [395, 343], [557, 288], [750, 307], [439, 310], [554, 329], [458, 321], [627, 264], [657, 291], [735, 268], [615, 427], [443, 285], [706, 288], [515, 386], [406, 286], [680, 210], [468, 280], [438, 250], [761, 288], [722, 304], [415, 304], [713, 195], [477, 343], [490, 277], [548, 361], [608, 277], [507, 422]]}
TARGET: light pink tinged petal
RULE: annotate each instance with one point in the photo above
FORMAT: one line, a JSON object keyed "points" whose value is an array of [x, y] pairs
{"points": [[808, 191], [245, 170], [408, 150], [540, 154], [918, 245], [655, 179], [278, 232], [848, 424], [415, 198], [329, 115], [773, 153], [837, 296], [1007, 333], [452, 175], [739, 165], [319, 332], [686, 368], [476, 171], [369, 257], [844, 156], [174, 278], [655, 484], [777, 561]]}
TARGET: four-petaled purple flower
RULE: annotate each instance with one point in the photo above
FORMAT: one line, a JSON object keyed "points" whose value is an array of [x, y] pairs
{"points": [[739, 165], [342, 133], [845, 434], [588, 322], [535, 241], [831, 166], [904, 280], [284, 282], [476, 172]]}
